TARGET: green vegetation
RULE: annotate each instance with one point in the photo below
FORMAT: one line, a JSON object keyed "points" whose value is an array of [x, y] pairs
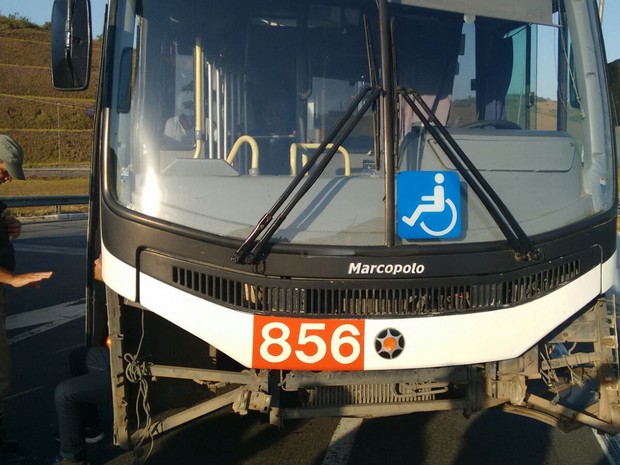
{"points": [[15, 21], [46, 186], [52, 126]]}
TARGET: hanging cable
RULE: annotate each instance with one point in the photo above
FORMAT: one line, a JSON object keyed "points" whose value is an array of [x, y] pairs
{"points": [[137, 372]]}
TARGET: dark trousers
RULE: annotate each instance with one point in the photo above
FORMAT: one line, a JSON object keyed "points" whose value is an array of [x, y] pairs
{"points": [[77, 398], [5, 357]]}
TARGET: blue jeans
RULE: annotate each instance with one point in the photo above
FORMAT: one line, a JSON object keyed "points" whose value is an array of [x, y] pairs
{"points": [[78, 398]]}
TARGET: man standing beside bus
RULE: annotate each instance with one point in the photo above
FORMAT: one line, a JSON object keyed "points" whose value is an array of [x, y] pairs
{"points": [[11, 157]]}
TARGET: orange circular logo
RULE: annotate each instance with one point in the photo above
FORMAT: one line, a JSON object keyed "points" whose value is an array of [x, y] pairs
{"points": [[389, 343]]}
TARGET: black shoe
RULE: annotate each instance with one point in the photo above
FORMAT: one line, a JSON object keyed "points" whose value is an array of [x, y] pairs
{"points": [[92, 435]]}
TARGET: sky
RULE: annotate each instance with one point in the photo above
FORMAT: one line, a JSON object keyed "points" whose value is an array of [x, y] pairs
{"points": [[611, 31], [39, 12]]}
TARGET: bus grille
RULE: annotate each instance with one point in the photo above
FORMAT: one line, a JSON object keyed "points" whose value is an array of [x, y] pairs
{"points": [[361, 394], [340, 300]]}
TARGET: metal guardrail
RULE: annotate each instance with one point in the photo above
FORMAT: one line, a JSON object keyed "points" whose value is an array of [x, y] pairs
{"points": [[45, 201]]}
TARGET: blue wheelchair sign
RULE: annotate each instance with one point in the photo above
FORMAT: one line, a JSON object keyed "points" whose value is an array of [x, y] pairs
{"points": [[428, 204]]}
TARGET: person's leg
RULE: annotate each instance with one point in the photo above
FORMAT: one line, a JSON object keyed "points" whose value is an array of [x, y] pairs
{"points": [[78, 366], [77, 361], [70, 398], [82, 361], [5, 372], [97, 359], [5, 357]]}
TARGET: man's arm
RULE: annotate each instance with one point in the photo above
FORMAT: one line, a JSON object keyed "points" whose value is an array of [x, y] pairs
{"points": [[24, 279], [14, 226]]}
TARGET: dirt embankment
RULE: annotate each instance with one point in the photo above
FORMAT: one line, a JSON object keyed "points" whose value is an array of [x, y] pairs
{"points": [[52, 126]]}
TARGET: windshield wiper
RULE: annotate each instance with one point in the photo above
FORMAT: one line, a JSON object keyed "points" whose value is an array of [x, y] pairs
{"points": [[518, 239], [372, 75], [336, 137]]}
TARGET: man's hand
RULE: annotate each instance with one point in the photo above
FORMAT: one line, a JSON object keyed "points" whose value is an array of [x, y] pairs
{"points": [[29, 279], [97, 271]]}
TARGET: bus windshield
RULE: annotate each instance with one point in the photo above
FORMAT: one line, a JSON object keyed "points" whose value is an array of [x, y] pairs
{"points": [[215, 107]]}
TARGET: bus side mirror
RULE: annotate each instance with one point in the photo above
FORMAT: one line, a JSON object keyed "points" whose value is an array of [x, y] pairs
{"points": [[71, 44]]}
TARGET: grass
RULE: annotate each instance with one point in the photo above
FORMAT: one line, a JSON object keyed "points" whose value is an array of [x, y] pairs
{"points": [[53, 149], [46, 186], [52, 126]]}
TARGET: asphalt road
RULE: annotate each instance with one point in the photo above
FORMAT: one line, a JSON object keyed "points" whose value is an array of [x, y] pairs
{"points": [[46, 324]]}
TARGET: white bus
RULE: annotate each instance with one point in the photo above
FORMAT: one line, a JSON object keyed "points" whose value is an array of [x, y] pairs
{"points": [[351, 208]]}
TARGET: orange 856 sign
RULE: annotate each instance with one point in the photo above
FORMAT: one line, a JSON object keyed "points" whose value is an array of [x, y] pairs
{"points": [[308, 344]]}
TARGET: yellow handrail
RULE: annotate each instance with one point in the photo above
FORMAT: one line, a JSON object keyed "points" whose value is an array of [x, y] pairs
{"points": [[253, 145], [198, 87], [304, 158]]}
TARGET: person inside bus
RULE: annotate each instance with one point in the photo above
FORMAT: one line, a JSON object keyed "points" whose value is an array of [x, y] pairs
{"points": [[80, 400], [179, 128], [11, 157]]}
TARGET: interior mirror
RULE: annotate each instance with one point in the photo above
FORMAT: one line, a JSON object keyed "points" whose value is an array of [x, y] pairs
{"points": [[614, 80], [71, 44]]}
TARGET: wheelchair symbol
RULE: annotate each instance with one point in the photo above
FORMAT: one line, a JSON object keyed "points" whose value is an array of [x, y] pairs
{"points": [[435, 203]]}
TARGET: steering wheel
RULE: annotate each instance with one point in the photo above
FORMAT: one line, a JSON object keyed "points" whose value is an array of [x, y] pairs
{"points": [[492, 123]]}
